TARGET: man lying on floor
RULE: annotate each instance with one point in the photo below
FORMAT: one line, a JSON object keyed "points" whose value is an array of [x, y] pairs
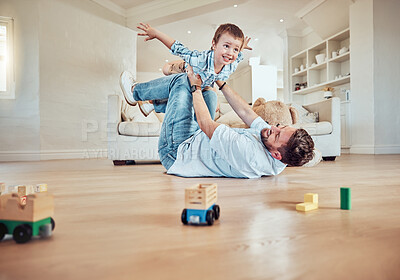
{"points": [[192, 144]]}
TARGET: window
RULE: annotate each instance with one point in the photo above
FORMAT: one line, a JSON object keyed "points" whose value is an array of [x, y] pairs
{"points": [[7, 81]]}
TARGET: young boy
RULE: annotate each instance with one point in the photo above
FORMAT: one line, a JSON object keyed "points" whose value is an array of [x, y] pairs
{"points": [[212, 65]]}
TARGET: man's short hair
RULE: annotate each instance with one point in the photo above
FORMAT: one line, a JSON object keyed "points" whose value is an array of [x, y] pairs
{"points": [[232, 29], [299, 149]]}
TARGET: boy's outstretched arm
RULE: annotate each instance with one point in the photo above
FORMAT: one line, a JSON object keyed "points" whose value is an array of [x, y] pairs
{"points": [[152, 33], [242, 109]]}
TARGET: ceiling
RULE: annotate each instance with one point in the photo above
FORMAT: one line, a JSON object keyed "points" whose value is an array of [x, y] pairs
{"points": [[258, 19]]}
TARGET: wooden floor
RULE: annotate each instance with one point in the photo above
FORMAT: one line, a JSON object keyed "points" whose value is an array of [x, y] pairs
{"points": [[124, 223]]}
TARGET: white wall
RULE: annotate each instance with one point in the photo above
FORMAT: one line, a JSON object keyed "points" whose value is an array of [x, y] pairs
{"points": [[375, 71], [386, 76], [19, 118], [78, 50], [264, 82], [240, 81], [362, 77], [311, 39]]}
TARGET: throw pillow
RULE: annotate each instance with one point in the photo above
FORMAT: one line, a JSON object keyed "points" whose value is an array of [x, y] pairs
{"points": [[304, 115]]}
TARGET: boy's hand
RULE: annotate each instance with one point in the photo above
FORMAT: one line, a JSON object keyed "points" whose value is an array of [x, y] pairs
{"points": [[194, 79], [245, 44], [149, 31]]}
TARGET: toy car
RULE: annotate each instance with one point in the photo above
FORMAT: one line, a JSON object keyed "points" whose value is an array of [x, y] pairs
{"points": [[200, 205], [25, 221]]}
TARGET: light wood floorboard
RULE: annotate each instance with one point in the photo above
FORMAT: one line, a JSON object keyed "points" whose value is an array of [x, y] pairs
{"points": [[123, 222]]}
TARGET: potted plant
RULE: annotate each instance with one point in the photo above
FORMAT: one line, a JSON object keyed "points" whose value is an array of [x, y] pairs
{"points": [[328, 92]]}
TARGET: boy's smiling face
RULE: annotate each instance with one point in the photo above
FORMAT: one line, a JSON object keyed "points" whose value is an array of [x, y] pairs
{"points": [[226, 50]]}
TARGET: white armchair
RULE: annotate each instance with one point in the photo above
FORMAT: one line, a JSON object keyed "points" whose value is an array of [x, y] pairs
{"points": [[130, 135], [326, 132]]}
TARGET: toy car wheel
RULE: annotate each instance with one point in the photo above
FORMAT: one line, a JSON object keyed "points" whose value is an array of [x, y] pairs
{"points": [[210, 217], [3, 231], [45, 230], [53, 224], [216, 211], [22, 233], [184, 216]]}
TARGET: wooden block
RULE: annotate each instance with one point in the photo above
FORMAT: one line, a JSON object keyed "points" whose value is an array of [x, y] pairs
{"points": [[311, 197], [345, 198], [12, 189], [21, 190], [2, 188], [30, 189], [38, 206], [200, 196], [306, 206], [41, 188]]}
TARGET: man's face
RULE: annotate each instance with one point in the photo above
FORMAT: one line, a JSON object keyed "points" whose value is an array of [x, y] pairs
{"points": [[226, 50], [276, 137]]}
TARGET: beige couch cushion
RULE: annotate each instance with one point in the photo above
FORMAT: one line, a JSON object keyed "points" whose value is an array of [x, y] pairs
{"points": [[231, 119], [319, 128], [139, 128]]}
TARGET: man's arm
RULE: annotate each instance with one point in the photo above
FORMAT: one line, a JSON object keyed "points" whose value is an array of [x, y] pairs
{"points": [[242, 109], [152, 33], [206, 124]]}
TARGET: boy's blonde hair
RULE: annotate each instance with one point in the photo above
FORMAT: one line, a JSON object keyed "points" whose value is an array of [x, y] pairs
{"points": [[232, 29]]}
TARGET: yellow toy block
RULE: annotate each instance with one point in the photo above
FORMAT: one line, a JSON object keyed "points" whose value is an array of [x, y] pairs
{"points": [[311, 197], [41, 188], [306, 206]]}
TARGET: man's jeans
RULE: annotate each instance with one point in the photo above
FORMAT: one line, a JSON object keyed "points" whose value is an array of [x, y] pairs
{"points": [[172, 96]]}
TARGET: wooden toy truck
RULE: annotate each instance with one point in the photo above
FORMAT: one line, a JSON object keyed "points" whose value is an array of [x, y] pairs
{"points": [[24, 221], [200, 204]]}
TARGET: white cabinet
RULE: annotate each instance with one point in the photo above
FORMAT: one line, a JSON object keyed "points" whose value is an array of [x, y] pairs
{"points": [[255, 81], [264, 82], [332, 69]]}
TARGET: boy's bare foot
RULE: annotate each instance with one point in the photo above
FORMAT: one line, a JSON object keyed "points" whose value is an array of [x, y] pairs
{"points": [[174, 67]]}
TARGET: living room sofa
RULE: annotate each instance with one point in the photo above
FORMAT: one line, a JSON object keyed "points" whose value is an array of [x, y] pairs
{"points": [[133, 137], [325, 132]]}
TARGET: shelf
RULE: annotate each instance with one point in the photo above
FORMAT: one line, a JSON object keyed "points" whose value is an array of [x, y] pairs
{"points": [[345, 34], [318, 66], [320, 47], [300, 73], [341, 81], [301, 54], [318, 76], [341, 58]]}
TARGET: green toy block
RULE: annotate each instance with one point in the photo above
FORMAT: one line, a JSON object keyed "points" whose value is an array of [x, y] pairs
{"points": [[345, 198]]}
